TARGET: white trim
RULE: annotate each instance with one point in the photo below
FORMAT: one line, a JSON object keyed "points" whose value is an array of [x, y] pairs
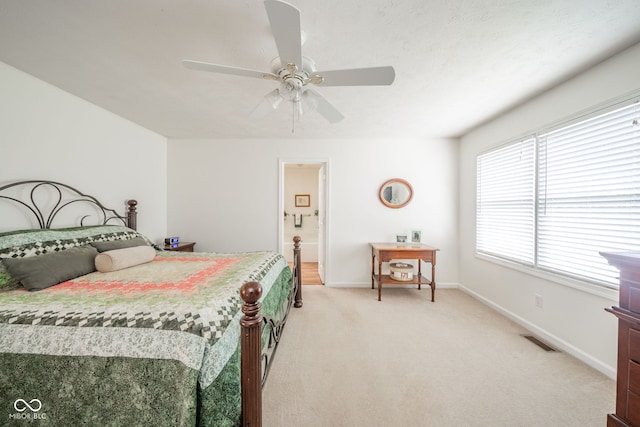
{"points": [[590, 288], [282, 161], [561, 344], [447, 285]]}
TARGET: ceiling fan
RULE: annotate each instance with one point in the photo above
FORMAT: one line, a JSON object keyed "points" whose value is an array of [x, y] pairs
{"points": [[296, 73]]}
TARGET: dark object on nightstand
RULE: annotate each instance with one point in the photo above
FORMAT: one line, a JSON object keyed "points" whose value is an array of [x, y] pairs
{"points": [[180, 247]]}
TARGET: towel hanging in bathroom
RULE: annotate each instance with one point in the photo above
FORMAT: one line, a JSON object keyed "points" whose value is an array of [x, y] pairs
{"points": [[297, 221]]}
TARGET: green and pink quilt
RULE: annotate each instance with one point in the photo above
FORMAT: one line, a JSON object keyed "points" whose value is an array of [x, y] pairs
{"points": [[153, 344]]}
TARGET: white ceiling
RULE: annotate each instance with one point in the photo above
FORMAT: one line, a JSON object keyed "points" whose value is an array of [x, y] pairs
{"points": [[458, 62]]}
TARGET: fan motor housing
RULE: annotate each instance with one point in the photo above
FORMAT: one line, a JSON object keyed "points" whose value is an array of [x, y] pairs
{"points": [[308, 66]]}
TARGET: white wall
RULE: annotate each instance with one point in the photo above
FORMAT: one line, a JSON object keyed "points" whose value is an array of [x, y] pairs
{"points": [[571, 318], [223, 194], [46, 133]]}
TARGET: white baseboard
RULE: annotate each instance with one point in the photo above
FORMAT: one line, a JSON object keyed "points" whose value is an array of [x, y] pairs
{"points": [[395, 285], [596, 364]]}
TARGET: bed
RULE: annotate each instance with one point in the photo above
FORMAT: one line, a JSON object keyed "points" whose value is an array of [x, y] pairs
{"points": [[99, 326]]}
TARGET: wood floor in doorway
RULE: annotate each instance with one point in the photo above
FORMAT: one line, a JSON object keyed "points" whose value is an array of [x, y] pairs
{"points": [[310, 274]]}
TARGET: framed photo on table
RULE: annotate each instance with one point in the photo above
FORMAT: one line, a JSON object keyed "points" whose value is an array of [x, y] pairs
{"points": [[303, 201], [416, 236]]}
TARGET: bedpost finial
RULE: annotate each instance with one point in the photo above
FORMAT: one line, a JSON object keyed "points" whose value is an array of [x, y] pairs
{"points": [[251, 292], [132, 214]]}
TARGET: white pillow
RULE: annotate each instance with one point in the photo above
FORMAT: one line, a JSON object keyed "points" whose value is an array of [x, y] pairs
{"points": [[118, 259]]}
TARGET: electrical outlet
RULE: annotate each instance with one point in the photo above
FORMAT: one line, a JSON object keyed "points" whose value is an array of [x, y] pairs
{"points": [[538, 301]]}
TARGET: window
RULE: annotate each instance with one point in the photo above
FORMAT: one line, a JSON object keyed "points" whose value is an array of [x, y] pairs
{"points": [[558, 199], [505, 202]]}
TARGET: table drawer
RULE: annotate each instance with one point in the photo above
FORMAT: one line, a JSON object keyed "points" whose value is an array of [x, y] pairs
{"points": [[633, 408], [632, 276], [634, 377], [634, 299], [634, 345]]}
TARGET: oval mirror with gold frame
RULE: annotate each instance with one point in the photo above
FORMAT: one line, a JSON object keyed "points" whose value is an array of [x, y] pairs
{"points": [[395, 193]]}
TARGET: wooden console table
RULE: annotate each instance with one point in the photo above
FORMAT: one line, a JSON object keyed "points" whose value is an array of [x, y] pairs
{"points": [[385, 252]]}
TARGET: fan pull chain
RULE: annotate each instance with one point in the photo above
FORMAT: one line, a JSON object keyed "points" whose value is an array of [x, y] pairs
{"points": [[293, 117]]}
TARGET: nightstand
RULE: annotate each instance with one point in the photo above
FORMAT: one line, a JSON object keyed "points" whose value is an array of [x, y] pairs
{"points": [[385, 252], [182, 247]]}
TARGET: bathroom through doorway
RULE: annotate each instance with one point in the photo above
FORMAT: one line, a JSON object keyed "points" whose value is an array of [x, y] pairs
{"points": [[303, 202]]}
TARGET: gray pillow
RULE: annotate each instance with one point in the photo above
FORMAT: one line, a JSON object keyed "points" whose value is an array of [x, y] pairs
{"points": [[119, 244], [42, 271]]}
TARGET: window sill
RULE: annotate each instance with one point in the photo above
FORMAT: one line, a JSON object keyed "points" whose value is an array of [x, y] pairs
{"points": [[581, 285]]}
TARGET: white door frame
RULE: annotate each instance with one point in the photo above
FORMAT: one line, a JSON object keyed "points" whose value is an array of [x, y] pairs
{"points": [[281, 175]]}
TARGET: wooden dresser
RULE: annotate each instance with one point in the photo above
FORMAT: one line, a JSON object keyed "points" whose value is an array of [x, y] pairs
{"points": [[628, 314]]}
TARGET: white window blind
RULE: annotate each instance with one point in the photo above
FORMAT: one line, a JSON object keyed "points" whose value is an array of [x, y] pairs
{"points": [[589, 194], [505, 202]]}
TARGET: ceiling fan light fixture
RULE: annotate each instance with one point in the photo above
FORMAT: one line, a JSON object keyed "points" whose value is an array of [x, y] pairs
{"points": [[298, 107], [274, 99], [309, 101], [291, 89]]}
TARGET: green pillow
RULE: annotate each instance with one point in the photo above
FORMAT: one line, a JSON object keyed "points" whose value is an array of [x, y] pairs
{"points": [[119, 244], [7, 281], [42, 271]]}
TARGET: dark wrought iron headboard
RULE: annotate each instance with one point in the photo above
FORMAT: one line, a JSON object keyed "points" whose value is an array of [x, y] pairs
{"points": [[66, 195]]}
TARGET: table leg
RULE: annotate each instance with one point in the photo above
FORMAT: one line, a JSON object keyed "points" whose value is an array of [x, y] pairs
{"points": [[419, 274], [373, 267], [433, 279], [380, 281]]}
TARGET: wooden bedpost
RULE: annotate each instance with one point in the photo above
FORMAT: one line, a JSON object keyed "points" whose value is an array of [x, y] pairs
{"points": [[297, 274], [132, 215], [251, 355]]}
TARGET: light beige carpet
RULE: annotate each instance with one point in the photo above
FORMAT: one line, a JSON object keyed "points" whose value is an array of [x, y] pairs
{"points": [[348, 360]]}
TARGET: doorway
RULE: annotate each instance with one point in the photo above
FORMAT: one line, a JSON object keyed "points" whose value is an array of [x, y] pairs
{"points": [[303, 212]]}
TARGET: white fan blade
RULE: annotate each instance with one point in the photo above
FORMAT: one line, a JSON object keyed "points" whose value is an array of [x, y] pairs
{"points": [[268, 104], [205, 66], [285, 25], [317, 102], [375, 76]]}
